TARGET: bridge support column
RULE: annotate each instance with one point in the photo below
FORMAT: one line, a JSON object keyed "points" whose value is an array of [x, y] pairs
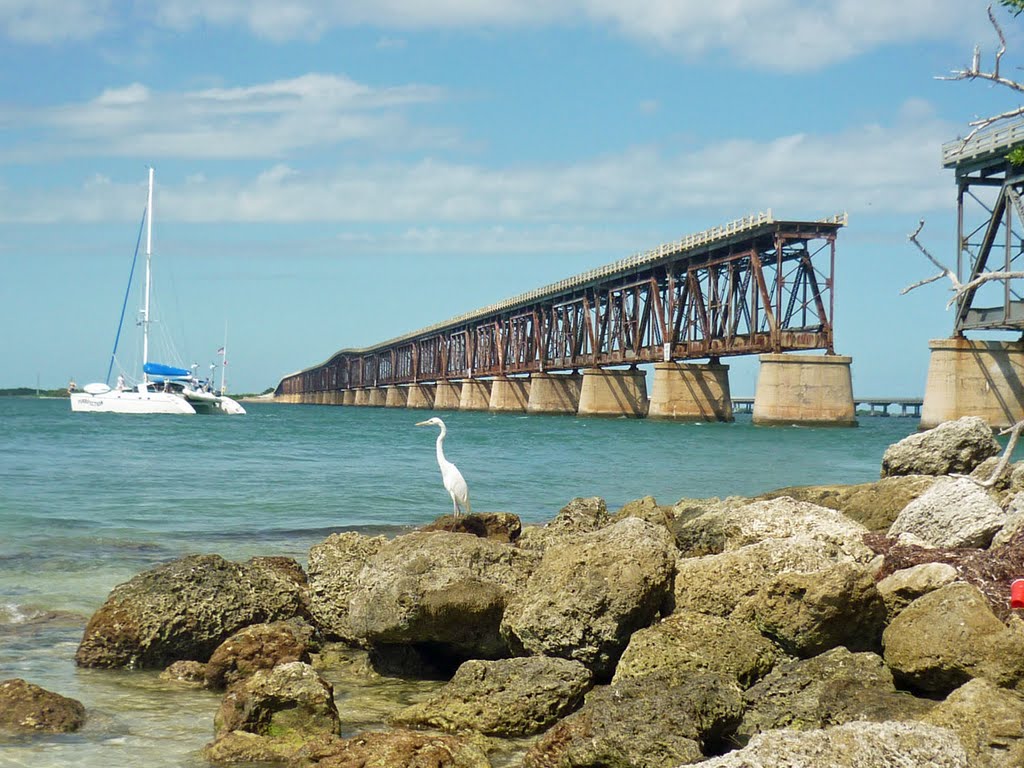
{"points": [[475, 396], [969, 377], [805, 389], [447, 395], [420, 396], [362, 397], [554, 392], [608, 392], [334, 397], [691, 392], [396, 397], [509, 394], [378, 396], [348, 397]]}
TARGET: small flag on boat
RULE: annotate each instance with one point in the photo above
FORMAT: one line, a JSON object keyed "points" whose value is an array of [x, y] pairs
{"points": [[220, 351]]}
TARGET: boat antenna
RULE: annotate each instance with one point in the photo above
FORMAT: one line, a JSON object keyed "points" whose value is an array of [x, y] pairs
{"points": [[149, 256], [127, 293]]}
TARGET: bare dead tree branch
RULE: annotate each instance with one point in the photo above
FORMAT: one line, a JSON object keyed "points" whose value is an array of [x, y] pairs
{"points": [[1004, 459]]}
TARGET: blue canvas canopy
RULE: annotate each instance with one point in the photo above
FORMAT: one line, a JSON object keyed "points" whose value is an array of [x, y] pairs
{"points": [[165, 371]]}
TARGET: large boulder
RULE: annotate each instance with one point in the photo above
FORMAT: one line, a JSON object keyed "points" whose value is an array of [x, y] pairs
{"points": [[581, 515], [953, 446], [497, 526], [688, 641], [590, 593], [184, 610], [445, 591], [334, 565], [256, 647], [954, 512], [399, 748], [27, 708], [852, 745], [272, 714], [950, 636], [873, 505], [989, 721], [900, 588], [643, 723], [792, 590], [730, 527], [836, 687], [508, 697]]}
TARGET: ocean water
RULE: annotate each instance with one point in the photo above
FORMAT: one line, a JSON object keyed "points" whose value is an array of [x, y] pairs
{"points": [[89, 500]]}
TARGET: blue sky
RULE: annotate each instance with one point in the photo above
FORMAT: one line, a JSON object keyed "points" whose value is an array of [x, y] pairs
{"points": [[334, 174]]}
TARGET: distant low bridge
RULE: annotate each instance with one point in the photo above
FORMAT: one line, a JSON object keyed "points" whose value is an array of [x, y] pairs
{"points": [[756, 285], [877, 406]]}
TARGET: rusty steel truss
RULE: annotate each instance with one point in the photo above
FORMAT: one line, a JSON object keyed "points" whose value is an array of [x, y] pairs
{"points": [[753, 286], [990, 215]]}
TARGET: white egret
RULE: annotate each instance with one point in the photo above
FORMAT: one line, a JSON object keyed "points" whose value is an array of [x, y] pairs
{"points": [[453, 480]]}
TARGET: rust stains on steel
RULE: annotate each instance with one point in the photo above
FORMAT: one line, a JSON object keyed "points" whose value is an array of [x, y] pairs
{"points": [[751, 286]]}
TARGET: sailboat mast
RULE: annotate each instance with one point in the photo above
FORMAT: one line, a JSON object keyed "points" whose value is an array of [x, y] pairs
{"points": [[149, 256]]}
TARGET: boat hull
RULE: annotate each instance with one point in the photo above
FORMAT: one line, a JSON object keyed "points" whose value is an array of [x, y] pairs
{"points": [[130, 401]]}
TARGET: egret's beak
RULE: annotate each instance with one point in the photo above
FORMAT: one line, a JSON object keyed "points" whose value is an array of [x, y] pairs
{"points": [[422, 423]]}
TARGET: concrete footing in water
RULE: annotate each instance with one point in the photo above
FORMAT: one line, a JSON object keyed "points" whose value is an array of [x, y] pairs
{"points": [[805, 389], [691, 392], [476, 395], [420, 396], [554, 393], [447, 395], [509, 394], [613, 392]]}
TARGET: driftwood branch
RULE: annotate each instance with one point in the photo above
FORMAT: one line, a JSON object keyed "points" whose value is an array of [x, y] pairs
{"points": [[975, 72], [1004, 459]]}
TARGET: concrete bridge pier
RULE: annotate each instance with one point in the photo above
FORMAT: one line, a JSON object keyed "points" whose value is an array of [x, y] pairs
{"points": [[362, 397], [396, 397], [378, 397], [447, 395], [420, 396], [691, 392], [554, 393], [348, 397], [805, 389], [334, 397], [475, 395], [509, 394], [613, 392], [971, 377]]}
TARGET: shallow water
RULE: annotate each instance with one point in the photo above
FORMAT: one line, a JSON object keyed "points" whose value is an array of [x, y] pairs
{"points": [[89, 500]]}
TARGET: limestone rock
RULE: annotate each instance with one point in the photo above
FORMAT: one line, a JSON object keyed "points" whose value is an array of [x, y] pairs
{"points": [[730, 528], [188, 673], [852, 745], [950, 636], [873, 505], [953, 446], [834, 688], [437, 589], [28, 708], [646, 509], [256, 647], [954, 512], [581, 515], [1013, 522], [901, 588], [397, 748], [497, 526], [808, 613], [642, 723], [184, 610], [334, 565], [687, 642], [509, 697], [590, 593], [989, 721], [284, 707]]}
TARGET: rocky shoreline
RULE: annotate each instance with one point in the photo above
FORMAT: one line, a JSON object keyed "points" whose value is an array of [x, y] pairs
{"points": [[865, 625]]}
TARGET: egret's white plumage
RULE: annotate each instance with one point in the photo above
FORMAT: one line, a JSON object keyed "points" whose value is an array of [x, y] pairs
{"points": [[453, 480]]}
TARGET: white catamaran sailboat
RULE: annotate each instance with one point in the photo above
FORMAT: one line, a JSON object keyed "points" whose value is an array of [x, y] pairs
{"points": [[163, 388]]}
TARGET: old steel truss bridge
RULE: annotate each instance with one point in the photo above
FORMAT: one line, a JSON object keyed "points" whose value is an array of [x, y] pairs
{"points": [[755, 285], [990, 215]]}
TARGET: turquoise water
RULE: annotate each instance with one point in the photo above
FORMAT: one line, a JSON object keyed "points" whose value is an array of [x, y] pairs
{"points": [[88, 500]]}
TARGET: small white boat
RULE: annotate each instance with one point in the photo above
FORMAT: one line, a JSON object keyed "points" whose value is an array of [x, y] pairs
{"points": [[163, 388]]}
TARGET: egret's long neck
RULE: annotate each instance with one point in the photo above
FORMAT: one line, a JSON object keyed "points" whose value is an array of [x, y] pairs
{"points": [[440, 446]]}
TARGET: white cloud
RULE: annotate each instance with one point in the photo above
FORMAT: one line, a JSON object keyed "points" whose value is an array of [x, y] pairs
{"points": [[865, 169], [772, 34]]}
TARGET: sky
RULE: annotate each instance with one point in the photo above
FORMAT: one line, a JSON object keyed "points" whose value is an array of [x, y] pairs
{"points": [[335, 174]]}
